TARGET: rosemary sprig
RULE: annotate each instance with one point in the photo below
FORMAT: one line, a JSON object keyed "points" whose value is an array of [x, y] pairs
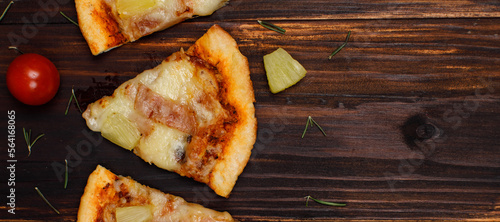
{"points": [[271, 26], [68, 18], [66, 174], [341, 46], [46, 201], [324, 202], [311, 122], [6, 9], [70, 100], [15, 48], [27, 138], [69, 103]]}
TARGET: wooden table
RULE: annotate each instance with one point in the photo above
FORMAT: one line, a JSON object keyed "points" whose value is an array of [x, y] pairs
{"points": [[409, 68]]}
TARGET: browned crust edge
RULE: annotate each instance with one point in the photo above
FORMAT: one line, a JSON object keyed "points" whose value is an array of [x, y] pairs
{"points": [[98, 26], [220, 50], [92, 201], [90, 204]]}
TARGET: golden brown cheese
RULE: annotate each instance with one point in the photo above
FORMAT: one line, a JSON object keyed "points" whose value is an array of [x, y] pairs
{"points": [[105, 192], [194, 112]]}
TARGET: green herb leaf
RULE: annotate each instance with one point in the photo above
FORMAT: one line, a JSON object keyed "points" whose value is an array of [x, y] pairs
{"points": [[46, 201], [69, 19], [76, 100], [15, 48], [27, 138], [311, 122], [307, 125], [6, 9], [71, 99], [69, 103], [66, 174], [271, 26], [324, 202], [341, 46], [315, 123]]}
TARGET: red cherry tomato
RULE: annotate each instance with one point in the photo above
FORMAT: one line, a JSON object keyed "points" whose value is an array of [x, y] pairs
{"points": [[32, 79]]}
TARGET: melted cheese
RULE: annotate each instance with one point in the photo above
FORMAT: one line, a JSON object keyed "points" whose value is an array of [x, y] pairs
{"points": [[175, 81], [105, 192], [166, 207], [164, 147], [162, 15], [221, 123], [119, 103], [178, 79]]}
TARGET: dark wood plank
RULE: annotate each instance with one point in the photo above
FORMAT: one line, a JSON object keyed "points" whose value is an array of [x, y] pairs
{"points": [[238, 10], [406, 65]]}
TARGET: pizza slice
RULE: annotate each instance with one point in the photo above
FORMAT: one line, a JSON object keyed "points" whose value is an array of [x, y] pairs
{"points": [[193, 114], [106, 24], [108, 197]]}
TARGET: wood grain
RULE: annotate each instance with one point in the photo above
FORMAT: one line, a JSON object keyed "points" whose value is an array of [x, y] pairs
{"points": [[407, 64]]}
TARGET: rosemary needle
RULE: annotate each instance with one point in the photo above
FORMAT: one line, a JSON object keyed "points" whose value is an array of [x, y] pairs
{"points": [[311, 122], [66, 174], [27, 138], [307, 125], [71, 99], [15, 48], [46, 201], [341, 46], [321, 129], [69, 103], [271, 26], [6, 9], [324, 202], [76, 101], [68, 18]]}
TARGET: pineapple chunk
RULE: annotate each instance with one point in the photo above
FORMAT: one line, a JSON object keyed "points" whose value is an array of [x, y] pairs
{"points": [[134, 214], [129, 8], [282, 70], [121, 131]]}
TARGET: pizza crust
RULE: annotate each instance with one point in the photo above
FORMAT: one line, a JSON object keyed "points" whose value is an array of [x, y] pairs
{"points": [[220, 50], [217, 89], [98, 26], [106, 191], [104, 29], [90, 203]]}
